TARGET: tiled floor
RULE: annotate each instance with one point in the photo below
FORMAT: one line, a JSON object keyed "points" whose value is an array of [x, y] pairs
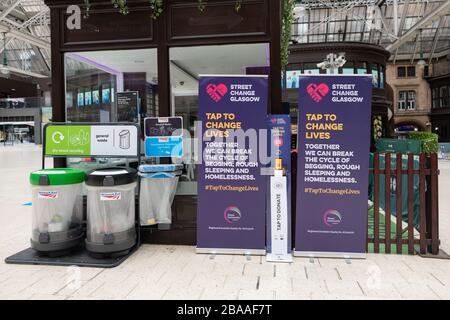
{"points": [[176, 272]]}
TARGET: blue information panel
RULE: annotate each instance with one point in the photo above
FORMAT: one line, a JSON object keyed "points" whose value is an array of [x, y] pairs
{"points": [[163, 137], [164, 146]]}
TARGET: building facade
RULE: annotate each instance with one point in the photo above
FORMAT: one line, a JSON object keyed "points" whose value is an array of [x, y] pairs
{"points": [[411, 96], [439, 82]]}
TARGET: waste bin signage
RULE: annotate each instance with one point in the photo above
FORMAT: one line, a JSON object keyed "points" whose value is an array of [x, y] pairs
{"points": [[91, 140], [163, 136], [333, 164]]}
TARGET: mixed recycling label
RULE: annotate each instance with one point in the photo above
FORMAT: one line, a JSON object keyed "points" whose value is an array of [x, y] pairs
{"points": [[91, 140]]}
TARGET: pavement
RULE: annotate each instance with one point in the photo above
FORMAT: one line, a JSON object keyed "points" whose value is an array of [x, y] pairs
{"points": [[177, 272]]}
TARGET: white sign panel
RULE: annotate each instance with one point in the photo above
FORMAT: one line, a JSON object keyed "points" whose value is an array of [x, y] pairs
{"points": [[114, 140], [279, 220]]}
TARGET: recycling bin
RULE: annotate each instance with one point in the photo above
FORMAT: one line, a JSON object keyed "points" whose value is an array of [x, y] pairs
{"points": [[158, 187], [57, 212], [111, 211]]}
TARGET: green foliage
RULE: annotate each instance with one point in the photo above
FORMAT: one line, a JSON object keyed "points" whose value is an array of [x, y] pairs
{"points": [[238, 5], [155, 5], [286, 31], [87, 8], [201, 5], [157, 8], [429, 141], [377, 127], [121, 5]]}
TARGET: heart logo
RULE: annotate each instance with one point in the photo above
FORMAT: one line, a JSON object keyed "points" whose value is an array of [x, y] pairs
{"points": [[216, 92], [278, 142], [317, 92]]}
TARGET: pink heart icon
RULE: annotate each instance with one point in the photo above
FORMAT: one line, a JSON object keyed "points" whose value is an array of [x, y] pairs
{"points": [[216, 92], [317, 92]]}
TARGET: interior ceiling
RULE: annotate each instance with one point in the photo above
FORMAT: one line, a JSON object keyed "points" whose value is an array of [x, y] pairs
{"points": [[186, 62], [420, 26], [142, 60], [26, 25]]}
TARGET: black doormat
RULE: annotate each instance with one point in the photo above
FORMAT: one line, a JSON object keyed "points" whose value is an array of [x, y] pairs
{"points": [[78, 257]]}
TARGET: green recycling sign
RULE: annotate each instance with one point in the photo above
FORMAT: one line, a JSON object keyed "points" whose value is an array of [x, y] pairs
{"points": [[68, 140], [91, 140]]}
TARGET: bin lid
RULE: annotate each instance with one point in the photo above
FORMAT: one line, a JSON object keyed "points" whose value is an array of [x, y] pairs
{"points": [[57, 176], [147, 168], [114, 176]]}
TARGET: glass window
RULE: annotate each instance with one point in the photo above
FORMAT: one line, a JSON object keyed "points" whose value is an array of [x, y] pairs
{"points": [[407, 100], [402, 100], [94, 78], [382, 73], [348, 68], [375, 76], [443, 96], [401, 72], [292, 78], [426, 71], [361, 68], [186, 64], [411, 71], [411, 103], [435, 97], [311, 68]]}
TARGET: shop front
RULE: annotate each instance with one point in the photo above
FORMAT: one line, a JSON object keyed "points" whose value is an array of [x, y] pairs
{"points": [[440, 106], [112, 67]]}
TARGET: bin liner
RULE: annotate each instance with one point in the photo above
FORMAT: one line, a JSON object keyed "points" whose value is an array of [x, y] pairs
{"points": [[110, 216], [59, 214], [158, 188]]}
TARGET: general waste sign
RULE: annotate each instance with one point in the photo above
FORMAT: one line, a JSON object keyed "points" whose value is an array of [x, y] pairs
{"points": [[91, 140]]}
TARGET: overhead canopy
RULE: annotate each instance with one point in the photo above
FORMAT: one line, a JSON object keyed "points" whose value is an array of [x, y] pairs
{"points": [[409, 29], [406, 28], [26, 26]]}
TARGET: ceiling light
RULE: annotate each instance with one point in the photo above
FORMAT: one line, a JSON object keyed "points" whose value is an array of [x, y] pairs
{"points": [[421, 62], [4, 71]]}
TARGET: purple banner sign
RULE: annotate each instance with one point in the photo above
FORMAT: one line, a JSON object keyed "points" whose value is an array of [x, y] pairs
{"points": [[333, 165], [231, 189]]}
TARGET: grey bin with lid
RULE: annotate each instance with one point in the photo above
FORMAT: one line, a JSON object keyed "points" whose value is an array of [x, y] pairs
{"points": [[57, 211], [111, 218], [158, 187]]}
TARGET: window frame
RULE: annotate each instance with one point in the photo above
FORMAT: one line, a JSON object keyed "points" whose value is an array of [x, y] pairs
{"points": [[406, 103]]}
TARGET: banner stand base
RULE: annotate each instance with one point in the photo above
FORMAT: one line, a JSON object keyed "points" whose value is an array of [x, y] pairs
{"points": [[252, 252], [279, 258], [331, 255]]}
